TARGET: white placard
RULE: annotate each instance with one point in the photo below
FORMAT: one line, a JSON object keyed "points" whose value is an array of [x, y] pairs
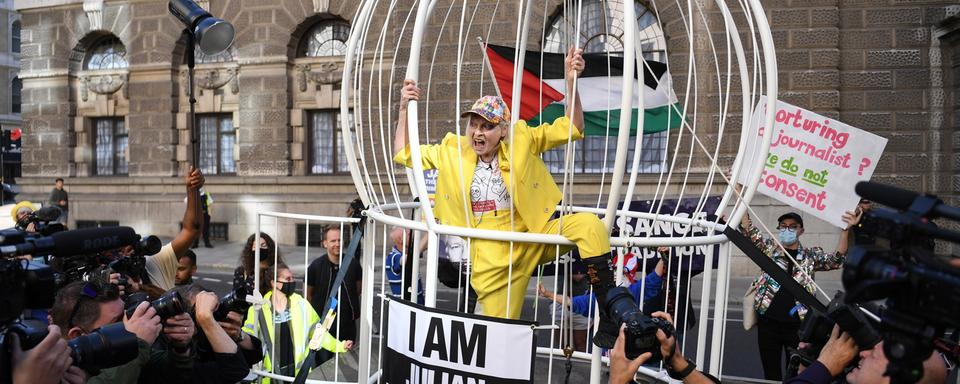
{"points": [[814, 161]]}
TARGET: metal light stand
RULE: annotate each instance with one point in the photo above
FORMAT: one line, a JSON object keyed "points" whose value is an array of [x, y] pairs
{"points": [[192, 121]]}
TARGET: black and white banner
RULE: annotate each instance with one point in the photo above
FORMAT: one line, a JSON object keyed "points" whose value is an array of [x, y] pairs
{"points": [[430, 346]]}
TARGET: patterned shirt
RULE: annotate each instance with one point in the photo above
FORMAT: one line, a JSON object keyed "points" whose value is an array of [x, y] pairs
{"points": [[487, 190], [810, 260]]}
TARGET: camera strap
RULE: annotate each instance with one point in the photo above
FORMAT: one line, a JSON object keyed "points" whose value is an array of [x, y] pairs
{"points": [[345, 261], [773, 269]]}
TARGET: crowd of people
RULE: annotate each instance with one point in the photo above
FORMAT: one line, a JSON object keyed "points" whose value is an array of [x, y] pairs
{"points": [[182, 333], [204, 344]]}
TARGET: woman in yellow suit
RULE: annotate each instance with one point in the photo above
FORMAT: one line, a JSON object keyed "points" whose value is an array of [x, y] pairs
{"points": [[289, 331], [482, 167]]}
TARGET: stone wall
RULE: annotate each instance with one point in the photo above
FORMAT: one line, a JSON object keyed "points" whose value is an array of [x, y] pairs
{"points": [[879, 65]]}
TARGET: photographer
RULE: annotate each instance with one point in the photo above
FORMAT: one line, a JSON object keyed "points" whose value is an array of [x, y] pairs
{"points": [[623, 370], [81, 307], [841, 350], [219, 356], [47, 362], [162, 267], [834, 357]]}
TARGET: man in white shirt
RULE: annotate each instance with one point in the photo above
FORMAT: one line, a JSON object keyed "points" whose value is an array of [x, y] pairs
{"points": [[162, 267]]}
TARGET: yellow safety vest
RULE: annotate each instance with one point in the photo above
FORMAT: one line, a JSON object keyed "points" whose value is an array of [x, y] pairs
{"points": [[302, 320]]}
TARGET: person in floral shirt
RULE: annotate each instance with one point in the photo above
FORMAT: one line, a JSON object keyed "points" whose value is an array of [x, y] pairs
{"points": [[779, 313]]}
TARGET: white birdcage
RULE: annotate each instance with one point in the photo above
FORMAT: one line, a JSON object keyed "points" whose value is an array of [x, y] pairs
{"points": [[724, 55]]}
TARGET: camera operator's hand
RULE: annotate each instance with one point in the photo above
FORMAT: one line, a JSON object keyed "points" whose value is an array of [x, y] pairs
{"points": [[668, 345], [74, 375], [233, 326], [180, 330], [131, 286], [206, 303], [45, 363], [838, 352], [144, 323], [622, 369]]}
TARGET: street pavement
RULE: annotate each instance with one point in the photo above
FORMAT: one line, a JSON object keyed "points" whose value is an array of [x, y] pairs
{"points": [[741, 362]]}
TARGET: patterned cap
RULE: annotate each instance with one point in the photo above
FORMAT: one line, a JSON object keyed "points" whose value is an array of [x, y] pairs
{"points": [[491, 108]]}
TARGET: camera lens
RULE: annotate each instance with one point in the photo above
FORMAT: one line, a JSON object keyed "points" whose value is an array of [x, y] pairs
{"points": [[169, 305], [640, 330], [107, 347]]}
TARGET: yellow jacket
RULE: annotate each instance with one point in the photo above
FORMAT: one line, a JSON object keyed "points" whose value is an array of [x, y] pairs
{"points": [[302, 321], [535, 196]]}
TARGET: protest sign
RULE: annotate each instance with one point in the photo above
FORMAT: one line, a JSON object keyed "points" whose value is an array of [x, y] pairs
{"points": [[685, 208], [814, 161], [430, 346]]}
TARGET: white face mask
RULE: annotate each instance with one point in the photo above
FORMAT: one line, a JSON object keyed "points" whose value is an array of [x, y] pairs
{"points": [[788, 236]]}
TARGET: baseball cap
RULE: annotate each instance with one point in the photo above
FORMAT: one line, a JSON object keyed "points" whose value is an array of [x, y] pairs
{"points": [[791, 215], [490, 108]]}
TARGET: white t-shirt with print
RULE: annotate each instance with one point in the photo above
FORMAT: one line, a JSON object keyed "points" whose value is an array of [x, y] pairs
{"points": [[488, 192]]}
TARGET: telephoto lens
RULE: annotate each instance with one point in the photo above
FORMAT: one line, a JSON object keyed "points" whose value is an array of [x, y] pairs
{"points": [[110, 346], [167, 306], [107, 347], [641, 330]]}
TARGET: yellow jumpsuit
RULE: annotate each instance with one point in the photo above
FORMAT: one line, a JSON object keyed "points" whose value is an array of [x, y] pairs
{"points": [[534, 195]]}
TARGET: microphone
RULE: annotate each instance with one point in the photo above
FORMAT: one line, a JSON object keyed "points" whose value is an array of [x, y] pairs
{"points": [[902, 199], [75, 242]]}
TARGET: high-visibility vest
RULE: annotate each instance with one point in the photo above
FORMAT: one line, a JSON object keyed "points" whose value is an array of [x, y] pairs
{"points": [[302, 320]]}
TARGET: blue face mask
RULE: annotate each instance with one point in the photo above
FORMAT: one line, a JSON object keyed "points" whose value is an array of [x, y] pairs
{"points": [[788, 236]]}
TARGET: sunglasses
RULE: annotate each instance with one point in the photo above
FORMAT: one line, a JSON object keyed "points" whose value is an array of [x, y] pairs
{"points": [[87, 291], [865, 202]]}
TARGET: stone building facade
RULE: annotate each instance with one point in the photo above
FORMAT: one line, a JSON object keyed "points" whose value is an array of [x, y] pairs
{"points": [[887, 66], [10, 95]]}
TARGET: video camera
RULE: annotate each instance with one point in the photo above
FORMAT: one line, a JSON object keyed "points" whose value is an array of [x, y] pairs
{"points": [[41, 220], [922, 292], [132, 265], [641, 330], [817, 327]]}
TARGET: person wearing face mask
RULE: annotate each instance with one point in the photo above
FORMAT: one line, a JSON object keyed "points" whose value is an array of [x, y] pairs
{"points": [[779, 313], [493, 178], [289, 320], [269, 253]]}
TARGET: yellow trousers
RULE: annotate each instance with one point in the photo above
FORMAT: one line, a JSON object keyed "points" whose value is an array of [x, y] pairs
{"points": [[492, 277]]}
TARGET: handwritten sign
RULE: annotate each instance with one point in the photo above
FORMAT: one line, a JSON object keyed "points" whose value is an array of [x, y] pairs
{"points": [[814, 161]]}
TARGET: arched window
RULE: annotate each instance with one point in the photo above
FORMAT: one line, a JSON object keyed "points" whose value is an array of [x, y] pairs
{"points": [[601, 30], [106, 53], [222, 57], [327, 38], [15, 37], [16, 87]]}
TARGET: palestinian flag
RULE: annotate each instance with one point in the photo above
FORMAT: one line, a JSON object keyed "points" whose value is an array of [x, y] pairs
{"points": [[542, 94]]}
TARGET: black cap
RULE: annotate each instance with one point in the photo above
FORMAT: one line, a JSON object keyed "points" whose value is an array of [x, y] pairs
{"points": [[791, 215]]}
